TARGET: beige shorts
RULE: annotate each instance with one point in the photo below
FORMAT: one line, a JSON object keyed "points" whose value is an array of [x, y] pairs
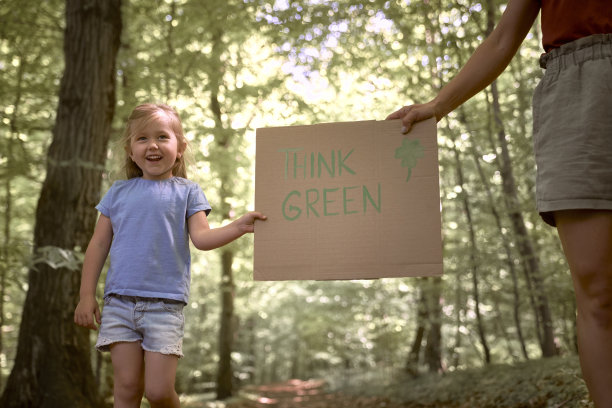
{"points": [[572, 121]]}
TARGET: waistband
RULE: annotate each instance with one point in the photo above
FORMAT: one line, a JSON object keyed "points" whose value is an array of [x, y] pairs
{"points": [[136, 299], [593, 47]]}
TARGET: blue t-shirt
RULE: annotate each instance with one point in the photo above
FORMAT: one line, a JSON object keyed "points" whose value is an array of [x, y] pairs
{"points": [[149, 255]]}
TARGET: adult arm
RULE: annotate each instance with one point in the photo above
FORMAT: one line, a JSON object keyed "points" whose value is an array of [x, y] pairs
{"points": [[486, 63]]}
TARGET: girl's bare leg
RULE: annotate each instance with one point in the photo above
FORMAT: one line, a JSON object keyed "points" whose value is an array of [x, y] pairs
{"points": [[586, 236], [128, 370], [160, 374]]}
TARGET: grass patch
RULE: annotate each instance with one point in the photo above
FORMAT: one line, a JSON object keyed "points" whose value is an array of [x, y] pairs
{"points": [[547, 383]]}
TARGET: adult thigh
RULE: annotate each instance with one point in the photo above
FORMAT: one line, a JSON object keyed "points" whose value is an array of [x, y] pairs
{"points": [[586, 236]]}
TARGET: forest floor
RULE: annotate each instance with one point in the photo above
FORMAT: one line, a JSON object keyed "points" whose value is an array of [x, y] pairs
{"points": [[546, 383]]}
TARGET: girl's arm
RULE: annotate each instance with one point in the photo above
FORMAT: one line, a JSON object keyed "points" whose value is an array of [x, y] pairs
{"points": [[205, 238], [95, 256], [488, 61]]}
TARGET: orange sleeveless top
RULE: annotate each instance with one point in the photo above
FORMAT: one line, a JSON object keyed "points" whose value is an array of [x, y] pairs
{"points": [[564, 21]]}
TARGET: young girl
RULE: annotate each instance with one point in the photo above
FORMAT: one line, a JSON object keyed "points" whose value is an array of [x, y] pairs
{"points": [[146, 222], [572, 116]]}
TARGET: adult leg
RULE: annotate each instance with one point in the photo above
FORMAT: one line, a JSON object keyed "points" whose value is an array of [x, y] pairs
{"points": [[586, 237], [160, 374], [128, 371]]}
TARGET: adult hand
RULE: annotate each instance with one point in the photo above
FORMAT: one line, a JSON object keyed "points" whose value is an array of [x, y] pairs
{"points": [[412, 114]]}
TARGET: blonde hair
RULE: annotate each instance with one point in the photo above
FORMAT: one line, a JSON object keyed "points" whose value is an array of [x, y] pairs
{"points": [[140, 116]]}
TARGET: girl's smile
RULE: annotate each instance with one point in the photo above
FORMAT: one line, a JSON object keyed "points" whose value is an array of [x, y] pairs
{"points": [[154, 148]]}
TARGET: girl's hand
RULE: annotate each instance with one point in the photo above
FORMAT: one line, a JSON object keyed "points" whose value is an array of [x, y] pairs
{"points": [[86, 311], [414, 113], [246, 223], [205, 238]]}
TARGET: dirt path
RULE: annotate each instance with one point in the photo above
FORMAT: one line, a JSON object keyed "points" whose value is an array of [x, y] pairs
{"points": [[305, 394]]}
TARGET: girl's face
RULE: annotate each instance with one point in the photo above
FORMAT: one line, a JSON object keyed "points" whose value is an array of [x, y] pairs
{"points": [[154, 147]]}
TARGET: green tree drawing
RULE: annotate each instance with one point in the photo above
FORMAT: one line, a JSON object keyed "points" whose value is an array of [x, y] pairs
{"points": [[409, 152]]}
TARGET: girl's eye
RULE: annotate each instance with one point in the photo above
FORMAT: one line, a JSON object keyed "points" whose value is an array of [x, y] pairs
{"points": [[163, 136]]}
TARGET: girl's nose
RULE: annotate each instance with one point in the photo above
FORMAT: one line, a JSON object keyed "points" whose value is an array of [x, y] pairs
{"points": [[153, 145]]}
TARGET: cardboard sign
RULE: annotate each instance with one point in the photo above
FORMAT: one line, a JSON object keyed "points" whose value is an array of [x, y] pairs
{"points": [[354, 200]]}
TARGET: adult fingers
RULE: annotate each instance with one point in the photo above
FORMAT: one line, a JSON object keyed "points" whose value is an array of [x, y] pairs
{"points": [[411, 114], [399, 114], [415, 114]]}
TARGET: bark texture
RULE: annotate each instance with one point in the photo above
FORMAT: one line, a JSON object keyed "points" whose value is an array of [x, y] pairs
{"points": [[52, 366]]}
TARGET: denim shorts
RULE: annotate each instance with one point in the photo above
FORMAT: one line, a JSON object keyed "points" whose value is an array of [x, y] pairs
{"points": [[572, 120], [158, 324]]}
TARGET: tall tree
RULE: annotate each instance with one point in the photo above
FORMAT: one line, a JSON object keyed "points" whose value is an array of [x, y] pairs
{"points": [[223, 144], [433, 347], [29, 95], [473, 257], [529, 257], [523, 240], [504, 240], [52, 367], [422, 314]]}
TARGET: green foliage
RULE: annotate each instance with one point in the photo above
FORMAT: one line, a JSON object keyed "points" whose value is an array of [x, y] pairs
{"points": [[30, 66], [552, 382], [231, 66]]}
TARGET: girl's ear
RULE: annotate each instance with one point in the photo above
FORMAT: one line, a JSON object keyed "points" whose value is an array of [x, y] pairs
{"points": [[181, 149]]}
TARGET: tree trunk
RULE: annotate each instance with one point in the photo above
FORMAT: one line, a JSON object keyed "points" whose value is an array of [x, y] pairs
{"points": [[524, 244], [523, 241], [506, 244], [473, 254], [52, 366], [459, 304], [295, 359], [223, 141], [5, 260], [251, 349], [412, 362], [227, 288], [226, 330], [433, 349], [509, 259]]}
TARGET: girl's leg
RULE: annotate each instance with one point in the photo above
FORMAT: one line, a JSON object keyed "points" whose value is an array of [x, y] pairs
{"points": [[160, 374], [586, 237], [128, 370]]}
